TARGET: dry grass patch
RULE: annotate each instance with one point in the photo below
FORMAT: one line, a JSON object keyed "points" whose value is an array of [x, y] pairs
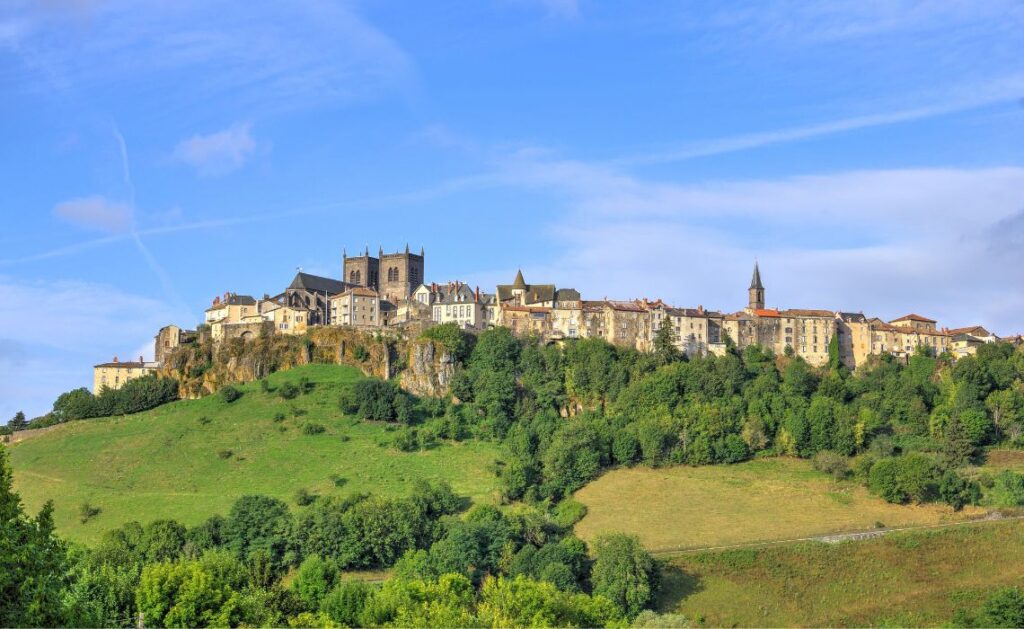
{"points": [[916, 578], [764, 500], [999, 460]]}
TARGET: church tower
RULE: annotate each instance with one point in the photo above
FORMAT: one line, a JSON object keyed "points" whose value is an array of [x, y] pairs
{"points": [[755, 294]]}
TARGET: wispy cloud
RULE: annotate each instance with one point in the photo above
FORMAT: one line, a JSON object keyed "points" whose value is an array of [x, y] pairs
{"points": [[218, 153], [275, 56], [1008, 89], [96, 213]]}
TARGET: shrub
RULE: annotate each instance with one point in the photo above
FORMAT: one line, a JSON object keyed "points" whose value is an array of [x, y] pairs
{"points": [[87, 511], [299, 412], [406, 441], [304, 498], [360, 353], [204, 420], [278, 417], [568, 512], [306, 385], [452, 337], [832, 463], [288, 391], [1007, 490], [313, 428], [958, 491], [225, 454], [338, 480], [902, 479], [264, 385], [229, 394]]}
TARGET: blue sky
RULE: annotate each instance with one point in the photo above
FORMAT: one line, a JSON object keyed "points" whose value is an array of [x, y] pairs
{"points": [[870, 154]]}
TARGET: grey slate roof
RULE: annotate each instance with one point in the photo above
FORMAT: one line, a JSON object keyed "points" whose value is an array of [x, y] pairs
{"points": [[317, 284]]}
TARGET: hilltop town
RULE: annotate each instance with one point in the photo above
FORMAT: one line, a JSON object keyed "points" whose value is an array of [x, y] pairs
{"points": [[388, 291]]}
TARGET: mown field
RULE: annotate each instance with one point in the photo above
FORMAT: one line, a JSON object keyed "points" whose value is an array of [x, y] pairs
{"points": [[173, 461], [914, 578], [760, 500]]}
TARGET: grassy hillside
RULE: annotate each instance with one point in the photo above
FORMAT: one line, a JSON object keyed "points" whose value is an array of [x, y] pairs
{"points": [[767, 499], [173, 462], [916, 578]]}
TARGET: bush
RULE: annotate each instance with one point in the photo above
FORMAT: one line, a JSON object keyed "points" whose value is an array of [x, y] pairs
{"points": [[452, 337], [87, 511], [204, 420], [225, 454], [264, 385], [568, 512], [837, 465], [379, 400], [624, 572], [359, 353], [306, 385], [288, 391], [304, 498], [229, 394], [902, 479], [278, 417], [958, 491], [1007, 490], [406, 440], [312, 428]]}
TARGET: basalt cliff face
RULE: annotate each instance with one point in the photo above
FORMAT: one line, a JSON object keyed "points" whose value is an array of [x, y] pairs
{"points": [[430, 369], [203, 368], [424, 367]]}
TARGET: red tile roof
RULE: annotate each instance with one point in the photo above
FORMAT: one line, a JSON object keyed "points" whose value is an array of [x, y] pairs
{"points": [[765, 312]]}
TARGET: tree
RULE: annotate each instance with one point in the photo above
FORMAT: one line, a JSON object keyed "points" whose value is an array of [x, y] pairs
{"points": [[958, 491], [1003, 608], [259, 524], [624, 572], [32, 560], [18, 422], [834, 361], [315, 578], [665, 343]]}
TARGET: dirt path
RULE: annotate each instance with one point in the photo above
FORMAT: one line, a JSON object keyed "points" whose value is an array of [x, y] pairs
{"points": [[836, 537]]}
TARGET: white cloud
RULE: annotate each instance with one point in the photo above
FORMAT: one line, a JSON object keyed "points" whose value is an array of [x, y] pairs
{"points": [[97, 213], [266, 56], [938, 241], [217, 153]]}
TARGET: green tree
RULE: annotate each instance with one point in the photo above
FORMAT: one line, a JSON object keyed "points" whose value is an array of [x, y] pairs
{"points": [[18, 422], [314, 579], [33, 564], [624, 572], [259, 524], [665, 343]]}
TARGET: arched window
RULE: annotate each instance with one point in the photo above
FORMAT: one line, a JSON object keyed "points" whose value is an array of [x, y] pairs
{"points": [[353, 277], [396, 274], [391, 274]]}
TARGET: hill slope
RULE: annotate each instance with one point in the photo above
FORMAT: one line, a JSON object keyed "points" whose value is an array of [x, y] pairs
{"points": [[908, 579], [173, 461]]}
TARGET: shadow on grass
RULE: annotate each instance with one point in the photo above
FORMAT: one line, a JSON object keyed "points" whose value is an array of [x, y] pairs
{"points": [[676, 585]]}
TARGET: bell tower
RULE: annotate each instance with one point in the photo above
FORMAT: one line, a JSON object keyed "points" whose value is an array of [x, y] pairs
{"points": [[755, 294]]}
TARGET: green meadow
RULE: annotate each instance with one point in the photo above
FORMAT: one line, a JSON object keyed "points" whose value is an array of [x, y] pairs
{"points": [[191, 459]]}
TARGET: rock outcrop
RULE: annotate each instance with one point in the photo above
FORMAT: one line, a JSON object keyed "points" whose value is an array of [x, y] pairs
{"points": [[430, 369]]}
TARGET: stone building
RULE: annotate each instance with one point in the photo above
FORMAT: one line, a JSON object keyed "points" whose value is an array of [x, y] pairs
{"points": [[357, 307], [168, 339], [116, 374], [456, 302], [312, 293], [393, 275]]}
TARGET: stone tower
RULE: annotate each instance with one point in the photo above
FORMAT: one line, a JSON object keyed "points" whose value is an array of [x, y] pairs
{"points": [[400, 275], [361, 270], [755, 294]]}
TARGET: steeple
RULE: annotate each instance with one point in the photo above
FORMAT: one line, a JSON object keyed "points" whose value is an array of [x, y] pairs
{"points": [[519, 282], [755, 294], [406, 248], [755, 281]]}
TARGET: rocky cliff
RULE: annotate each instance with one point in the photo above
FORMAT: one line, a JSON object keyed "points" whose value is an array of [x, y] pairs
{"points": [[204, 367], [430, 369]]}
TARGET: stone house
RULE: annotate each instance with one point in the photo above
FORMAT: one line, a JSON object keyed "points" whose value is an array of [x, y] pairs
{"points": [[116, 374]]}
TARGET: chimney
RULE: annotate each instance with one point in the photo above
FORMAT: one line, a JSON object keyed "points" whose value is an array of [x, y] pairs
{"points": [[140, 359], [115, 359], [700, 308]]}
